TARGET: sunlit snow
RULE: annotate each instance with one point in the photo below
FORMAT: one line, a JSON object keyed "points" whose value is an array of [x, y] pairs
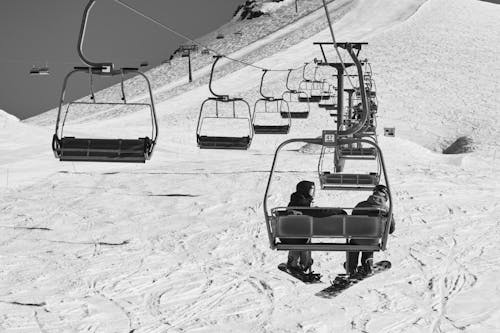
{"points": [[179, 244]]}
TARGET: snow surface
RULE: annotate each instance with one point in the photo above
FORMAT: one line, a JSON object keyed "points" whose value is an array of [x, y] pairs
{"points": [[179, 244], [270, 7]]}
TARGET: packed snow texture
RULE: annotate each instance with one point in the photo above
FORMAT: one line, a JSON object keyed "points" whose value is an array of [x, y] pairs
{"points": [[180, 245], [272, 6]]}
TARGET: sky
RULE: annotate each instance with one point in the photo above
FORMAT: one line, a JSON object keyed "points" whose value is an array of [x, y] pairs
{"points": [[36, 33]]}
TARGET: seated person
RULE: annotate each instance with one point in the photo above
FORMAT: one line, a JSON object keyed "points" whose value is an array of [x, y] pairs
{"points": [[303, 197], [377, 201]]}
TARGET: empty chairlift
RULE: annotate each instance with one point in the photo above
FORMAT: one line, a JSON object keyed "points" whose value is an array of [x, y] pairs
{"points": [[293, 97], [268, 114], [87, 148], [36, 71], [330, 103], [327, 228], [224, 122], [332, 177], [313, 88]]}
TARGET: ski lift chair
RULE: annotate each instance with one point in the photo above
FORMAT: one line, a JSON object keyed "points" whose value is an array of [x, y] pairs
{"points": [[70, 148], [337, 180], [328, 228], [311, 87], [357, 152], [321, 88], [293, 98], [36, 71], [212, 109], [263, 107], [44, 71], [240, 111], [329, 103]]}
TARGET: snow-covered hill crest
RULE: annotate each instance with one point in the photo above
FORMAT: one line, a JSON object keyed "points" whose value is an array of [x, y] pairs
{"points": [[7, 118], [256, 8]]}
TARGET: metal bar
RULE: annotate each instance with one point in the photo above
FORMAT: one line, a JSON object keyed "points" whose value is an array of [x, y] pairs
{"points": [[261, 84], [323, 52], [217, 57], [340, 97], [325, 6], [91, 86], [327, 247], [287, 80], [61, 99], [110, 103], [81, 37], [189, 66], [122, 85], [153, 110]]}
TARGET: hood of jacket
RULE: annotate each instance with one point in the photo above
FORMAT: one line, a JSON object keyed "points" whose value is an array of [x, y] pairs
{"points": [[376, 200], [304, 187]]}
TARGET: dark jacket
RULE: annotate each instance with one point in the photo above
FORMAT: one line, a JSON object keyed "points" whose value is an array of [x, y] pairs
{"points": [[375, 202], [302, 198]]}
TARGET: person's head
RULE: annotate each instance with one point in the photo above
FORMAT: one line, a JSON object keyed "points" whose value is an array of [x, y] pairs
{"points": [[381, 191], [306, 187]]}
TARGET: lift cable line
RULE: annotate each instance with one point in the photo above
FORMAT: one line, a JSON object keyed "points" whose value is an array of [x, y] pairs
{"points": [[330, 26], [149, 18]]}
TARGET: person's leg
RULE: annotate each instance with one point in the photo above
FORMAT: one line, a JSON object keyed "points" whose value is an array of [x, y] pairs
{"points": [[352, 262], [305, 260], [293, 259], [367, 261]]}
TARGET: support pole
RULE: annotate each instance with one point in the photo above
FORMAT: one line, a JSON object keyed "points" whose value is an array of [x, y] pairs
{"points": [[189, 65]]}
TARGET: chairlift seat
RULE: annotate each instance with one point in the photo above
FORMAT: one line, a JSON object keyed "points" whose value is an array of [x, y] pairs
{"points": [[328, 107], [312, 99], [295, 114], [320, 96], [334, 226], [348, 181], [223, 142], [271, 129], [369, 93], [103, 150], [358, 153]]}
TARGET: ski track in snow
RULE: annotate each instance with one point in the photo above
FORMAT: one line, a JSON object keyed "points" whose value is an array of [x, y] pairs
{"points": [[179, 244]]}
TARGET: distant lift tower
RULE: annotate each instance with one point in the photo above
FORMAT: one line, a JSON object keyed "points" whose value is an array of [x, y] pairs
{"points": [[186, 53]]}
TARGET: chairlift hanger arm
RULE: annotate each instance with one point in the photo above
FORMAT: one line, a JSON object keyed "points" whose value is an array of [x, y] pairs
{"points": [[223, 97], [364, 101], [81, 36], [264, 72], [288, 80], [304, 71]]}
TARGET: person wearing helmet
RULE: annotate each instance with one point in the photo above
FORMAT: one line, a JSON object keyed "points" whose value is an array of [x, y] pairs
{"points": [[377, 201], [302, 197]]}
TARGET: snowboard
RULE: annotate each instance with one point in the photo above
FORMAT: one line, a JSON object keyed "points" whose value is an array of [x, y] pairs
{"points": [[302, 276], [344, 281]]}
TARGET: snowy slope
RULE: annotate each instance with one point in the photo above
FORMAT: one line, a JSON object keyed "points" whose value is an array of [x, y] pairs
{"points": [[179, 244]]}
